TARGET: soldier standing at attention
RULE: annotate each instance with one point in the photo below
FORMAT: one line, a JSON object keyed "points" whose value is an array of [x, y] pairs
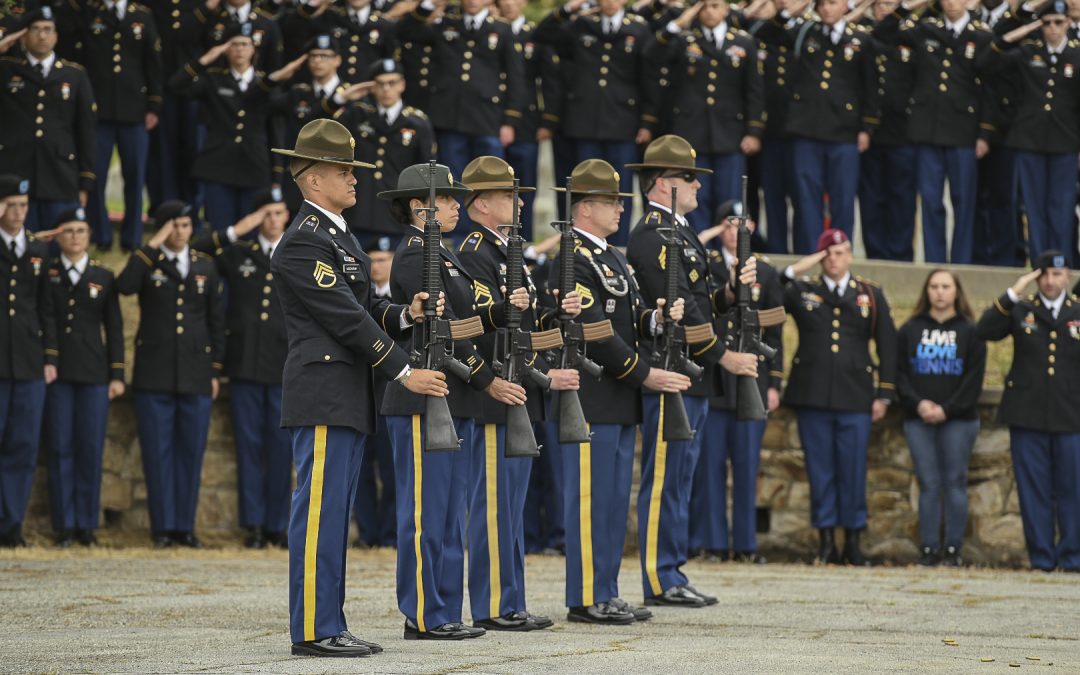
{"points": [[49, 119], [332, 321], [832, 387], [179, 351], [255, 349], [28, 354], [667, 467], [1040, 405], [90, 373]]}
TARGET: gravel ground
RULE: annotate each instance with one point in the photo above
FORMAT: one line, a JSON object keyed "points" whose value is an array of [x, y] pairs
{"points": [[144, 611]]}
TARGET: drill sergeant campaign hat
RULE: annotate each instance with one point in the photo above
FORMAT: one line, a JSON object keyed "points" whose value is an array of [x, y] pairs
{"points": [[594, 177], [670, 153], [413, 183], [324, 140]]}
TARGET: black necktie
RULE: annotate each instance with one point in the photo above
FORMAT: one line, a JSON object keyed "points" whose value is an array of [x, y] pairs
{"points": [[836, 293], [1053, 59], [386, 118], [269, 251], [73, 274], [14, 252], [116, 12], [356, 19], [40, 68]]}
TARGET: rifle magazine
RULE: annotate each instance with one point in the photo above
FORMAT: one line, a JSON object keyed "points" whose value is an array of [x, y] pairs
{"points": [[774, 316], [466, 329]]}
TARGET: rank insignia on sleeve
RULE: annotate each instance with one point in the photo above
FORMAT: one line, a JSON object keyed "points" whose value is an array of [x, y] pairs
{"points": [[586, 296], [483, 294], [324, 275]]}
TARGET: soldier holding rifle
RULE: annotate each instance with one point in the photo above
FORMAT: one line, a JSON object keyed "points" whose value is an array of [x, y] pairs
{"points": [[668, 256]]}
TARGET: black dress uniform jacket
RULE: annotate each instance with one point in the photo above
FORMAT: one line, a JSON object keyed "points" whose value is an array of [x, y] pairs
{"points": [[236, 151], [830, 83], [483, 254], [393, 147], [84, 313], [948, 104], [832, 369], [542, 82], [406, 277], [255, 342], [704, 298], [122, 57], [776, 62], [181, 35], [332, 320], [478, 75], [612, 88], [27, 324], [265, 34], [47, 134], [766, 293], [1041, 391], [180, 345], [608, 290], [717, 93], [1047, 109], [893, 78], [360, 44]]}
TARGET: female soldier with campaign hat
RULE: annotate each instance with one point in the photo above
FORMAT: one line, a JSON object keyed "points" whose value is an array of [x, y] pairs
{"points": [[90, 373], [179, 350], [432, 487]]}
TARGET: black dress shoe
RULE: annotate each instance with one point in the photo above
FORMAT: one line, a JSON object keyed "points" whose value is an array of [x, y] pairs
{"points": [[514, 621], [279, 539], [187, 539], [750, 557], [709, 599], [853, 555], [676, 596], [338, 645], [86, 537], [161, 540], [714, 555], [640, 613], [255, 538], [447, 631], [65, 538], [374, 647], [539, 622], [929, 557], [952, 558], [827, 553], [601, 613]]}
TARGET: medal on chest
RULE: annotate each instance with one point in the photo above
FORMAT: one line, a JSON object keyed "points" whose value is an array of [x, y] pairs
{"points": [[1028, 324], [863, 301], [94, 290], [36, 262], [136, 30], [493, 40], [407, 136], [969, 50], [65, 91], [755, 292], [247, 268], [811, 301], [1074, 329], [200, 283], [1068, 70]]}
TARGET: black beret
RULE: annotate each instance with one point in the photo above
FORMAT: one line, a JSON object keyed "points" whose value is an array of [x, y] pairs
{"points": [[381, 243], [45, 13], [246, 29], [384, 67], [171, 210], [1051, 259], [11, 185], [270, 195], [77, 214], [1053, 7], [322, 41], [732, 207]]}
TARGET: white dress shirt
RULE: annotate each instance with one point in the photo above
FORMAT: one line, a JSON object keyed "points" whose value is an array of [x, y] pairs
{"points": [[19, 239], [182, 259]]}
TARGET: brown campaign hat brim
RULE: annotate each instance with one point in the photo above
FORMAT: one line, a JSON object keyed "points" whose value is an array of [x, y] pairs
{"points": [[492, 186], [667, 167], [595, 193], [328, 160], [458, 190]]}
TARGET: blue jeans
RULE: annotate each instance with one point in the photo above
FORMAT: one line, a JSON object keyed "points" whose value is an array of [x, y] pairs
{"points": [[941, 453]]}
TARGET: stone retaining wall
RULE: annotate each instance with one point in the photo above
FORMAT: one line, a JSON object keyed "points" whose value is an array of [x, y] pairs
{"points": [[994, 536]]}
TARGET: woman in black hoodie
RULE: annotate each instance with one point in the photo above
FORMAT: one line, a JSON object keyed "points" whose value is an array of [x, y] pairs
{"points": [[940, 377]]}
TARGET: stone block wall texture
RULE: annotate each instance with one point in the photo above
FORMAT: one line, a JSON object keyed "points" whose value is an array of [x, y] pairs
{"points": [[994, 535]]}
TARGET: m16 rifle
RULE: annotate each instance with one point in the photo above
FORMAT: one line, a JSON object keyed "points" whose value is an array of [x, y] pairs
{"points": [[745, 324], [433, 341], [515, 349], [572, 425]]}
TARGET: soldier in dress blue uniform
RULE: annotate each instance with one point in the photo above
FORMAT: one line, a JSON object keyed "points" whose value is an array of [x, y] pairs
{"points": [[598, 474], [433, 487], [728, 439], [179, 351], [829, 114], [234, 103], [117, 41], [667, 467], [477, 77], [49, 119], [28, 354], [387, 128], [375, 510], [950, 119], [832, 387], [339, 334], [255, 347], [90, 373], [13, 15], [1040, 405], [496, 528], [887, 169], [706, 55], [215, 18], [612, 101], [1045, 134], [366, 34]]}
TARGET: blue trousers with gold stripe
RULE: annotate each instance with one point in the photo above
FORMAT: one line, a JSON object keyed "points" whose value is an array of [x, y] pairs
{"points": [[327, 463], [835, 443], [596, 477], [432, 494], [667, 477], [496, 526]]}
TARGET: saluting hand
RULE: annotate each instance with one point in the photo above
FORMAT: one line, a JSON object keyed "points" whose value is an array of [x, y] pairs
{"points": [[357, 91], [563, 379], [506, 392], [10, 40], [48, 235], [1023, 281], [427, 382], [807, 263], [1018, 34], [288, 70], [161, 235], [251, 221], [688, 15], [666, 381], [213, 54], [416, 309]]}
